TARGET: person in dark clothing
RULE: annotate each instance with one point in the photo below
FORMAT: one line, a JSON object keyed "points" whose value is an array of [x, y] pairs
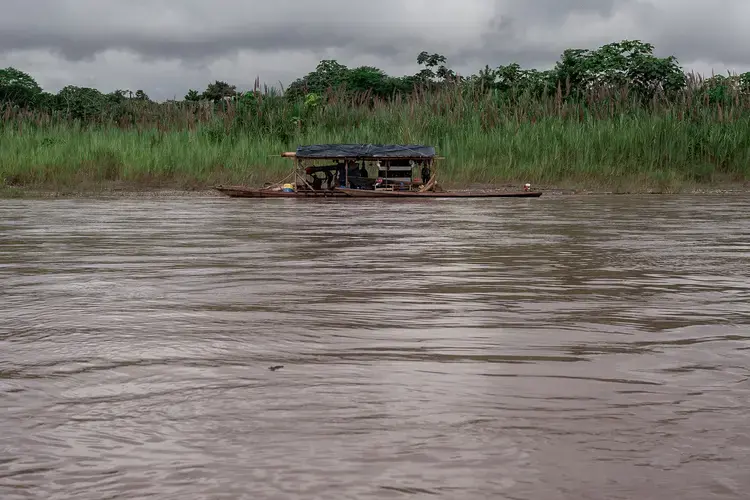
{"points": [[353, 171], [329, 179], [426, 174], [342, 174]]}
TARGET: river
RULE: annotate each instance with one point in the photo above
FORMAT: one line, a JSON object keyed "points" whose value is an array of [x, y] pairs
{"points": [[591, 347]]}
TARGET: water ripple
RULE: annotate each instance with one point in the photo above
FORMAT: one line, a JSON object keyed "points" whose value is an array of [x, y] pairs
{"points": [[590, 347]]}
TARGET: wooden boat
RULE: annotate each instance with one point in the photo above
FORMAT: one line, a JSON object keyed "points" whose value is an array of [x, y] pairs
{"points": [[243, 192], [394, 178]]}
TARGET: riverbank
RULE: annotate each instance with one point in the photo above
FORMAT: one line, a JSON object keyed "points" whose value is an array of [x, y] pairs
{"points": [[125, 190]]}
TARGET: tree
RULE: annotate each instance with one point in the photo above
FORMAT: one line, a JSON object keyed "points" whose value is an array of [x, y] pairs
{"points": [[486, 78], [328, 74], [512, 78], [219, 90], [193, 95], [723, 89], [18, 87], [81, 102], [629, 62], [331, 72], [369, 78], [435, 67]]}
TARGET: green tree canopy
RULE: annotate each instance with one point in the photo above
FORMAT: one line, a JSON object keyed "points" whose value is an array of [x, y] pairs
{"points": [[193, 95], [18, 88], [219, 90], [629, 62], [81, 102]]}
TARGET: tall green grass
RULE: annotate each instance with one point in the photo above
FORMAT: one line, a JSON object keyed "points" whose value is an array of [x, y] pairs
{"points": [[607, 139]]}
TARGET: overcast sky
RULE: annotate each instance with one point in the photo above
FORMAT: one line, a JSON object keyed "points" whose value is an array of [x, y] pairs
{"points": [[166, 47]]}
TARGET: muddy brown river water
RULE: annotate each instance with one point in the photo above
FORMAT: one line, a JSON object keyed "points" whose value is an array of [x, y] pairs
{"points": [[557, 348]]}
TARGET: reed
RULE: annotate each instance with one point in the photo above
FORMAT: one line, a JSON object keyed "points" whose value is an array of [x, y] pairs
{"points": [[606, 138]]}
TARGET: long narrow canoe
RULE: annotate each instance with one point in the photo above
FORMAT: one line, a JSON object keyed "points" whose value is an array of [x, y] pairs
{"points": [[243, 192]]}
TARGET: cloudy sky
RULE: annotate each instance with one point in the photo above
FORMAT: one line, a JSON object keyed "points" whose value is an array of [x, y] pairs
{"points": [[166, 47]]}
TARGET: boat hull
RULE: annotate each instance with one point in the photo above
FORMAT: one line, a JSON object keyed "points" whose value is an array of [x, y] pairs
{"points": [[242, 192], [363, 193]]}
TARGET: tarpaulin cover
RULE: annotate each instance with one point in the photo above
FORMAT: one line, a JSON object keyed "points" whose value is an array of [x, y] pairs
{"points": [[365, 151]]}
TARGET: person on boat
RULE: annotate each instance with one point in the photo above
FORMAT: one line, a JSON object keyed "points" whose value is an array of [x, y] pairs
{"points": [[351, 171], [341, 168], [352, 168], [363, 171], [425, 174], [329, 179]]}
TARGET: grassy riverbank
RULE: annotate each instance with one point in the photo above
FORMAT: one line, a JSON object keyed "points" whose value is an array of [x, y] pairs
{"points": [[607, 144]]}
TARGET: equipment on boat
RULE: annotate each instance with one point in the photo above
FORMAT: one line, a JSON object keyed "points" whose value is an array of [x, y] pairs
{"points": [[363, 171]]}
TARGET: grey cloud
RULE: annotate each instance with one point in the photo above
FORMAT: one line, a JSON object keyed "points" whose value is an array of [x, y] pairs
{"points": [[553, 11], [201, 47], [388, 33], [508, 37], [197, 33], [716, 32]]}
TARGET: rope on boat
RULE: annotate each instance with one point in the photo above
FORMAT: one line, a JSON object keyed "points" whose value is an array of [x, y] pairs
{"points": [[306, 183], [281, 182]]}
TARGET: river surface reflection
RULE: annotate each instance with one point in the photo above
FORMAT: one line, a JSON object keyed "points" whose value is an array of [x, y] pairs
{"points": [[556, 348]]}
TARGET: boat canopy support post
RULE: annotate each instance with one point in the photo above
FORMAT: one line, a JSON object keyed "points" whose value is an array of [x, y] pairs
{"points": [[295, 167]]}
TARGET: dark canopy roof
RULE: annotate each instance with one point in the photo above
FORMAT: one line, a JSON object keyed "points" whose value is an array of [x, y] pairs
{"points": [[364, 151]]}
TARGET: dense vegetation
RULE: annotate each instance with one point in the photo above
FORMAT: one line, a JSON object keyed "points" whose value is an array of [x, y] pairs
{"points": [[617, 116]]}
